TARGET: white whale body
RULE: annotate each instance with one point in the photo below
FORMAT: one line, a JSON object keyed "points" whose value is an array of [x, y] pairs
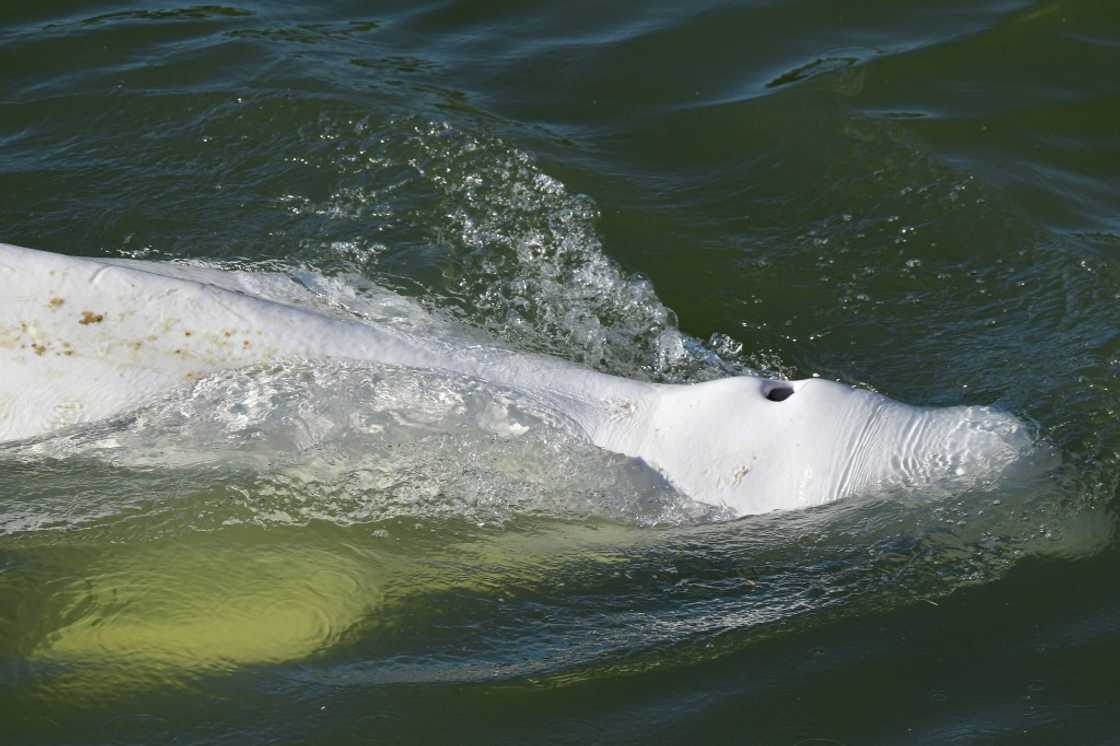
{"points": [[83, 339]]}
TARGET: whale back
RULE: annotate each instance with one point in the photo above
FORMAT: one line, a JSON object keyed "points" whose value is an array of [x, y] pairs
{"points": [[83, 339]]}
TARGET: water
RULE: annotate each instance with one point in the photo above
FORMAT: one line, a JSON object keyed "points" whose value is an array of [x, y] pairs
{"points": [[920, 200]]}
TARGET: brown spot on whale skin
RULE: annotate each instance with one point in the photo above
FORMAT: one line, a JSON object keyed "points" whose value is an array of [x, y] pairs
{"points": [[39, 349], [245, 344], [187, 333], [228, 333], [55, 303], [89, 317]]}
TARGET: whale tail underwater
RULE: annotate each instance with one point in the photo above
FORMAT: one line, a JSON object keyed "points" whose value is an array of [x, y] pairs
{"points": [[84, 339]]}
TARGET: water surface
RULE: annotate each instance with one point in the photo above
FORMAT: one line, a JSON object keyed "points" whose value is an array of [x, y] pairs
{"points": [[920, 199]]}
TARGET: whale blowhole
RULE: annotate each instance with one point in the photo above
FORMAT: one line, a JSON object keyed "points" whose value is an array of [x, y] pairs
{"points": [[778, 393]]}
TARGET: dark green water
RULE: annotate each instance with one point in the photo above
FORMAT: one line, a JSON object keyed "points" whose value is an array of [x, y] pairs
{"points": [[923, 198]]}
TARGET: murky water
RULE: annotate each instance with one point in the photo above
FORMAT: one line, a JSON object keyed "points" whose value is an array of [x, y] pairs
{"points": [[918, 200]]}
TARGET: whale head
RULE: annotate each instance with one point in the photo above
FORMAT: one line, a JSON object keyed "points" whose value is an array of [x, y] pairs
{"points": [[755, 445]]}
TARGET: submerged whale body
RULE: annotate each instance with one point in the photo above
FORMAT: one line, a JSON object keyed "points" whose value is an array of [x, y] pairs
{"points": [[84, 339]]}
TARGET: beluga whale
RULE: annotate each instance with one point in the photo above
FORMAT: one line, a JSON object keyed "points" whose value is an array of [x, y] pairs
{"points": [[84, 339]]}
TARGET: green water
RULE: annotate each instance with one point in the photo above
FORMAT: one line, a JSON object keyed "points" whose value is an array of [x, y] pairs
{"points": [[921, 198]]}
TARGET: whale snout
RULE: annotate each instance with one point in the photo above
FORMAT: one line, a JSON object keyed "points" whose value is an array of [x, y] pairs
{"points": [[951, 449]]}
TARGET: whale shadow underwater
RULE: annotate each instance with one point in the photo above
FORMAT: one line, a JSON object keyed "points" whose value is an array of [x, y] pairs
{"points": [[85, 339]]}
